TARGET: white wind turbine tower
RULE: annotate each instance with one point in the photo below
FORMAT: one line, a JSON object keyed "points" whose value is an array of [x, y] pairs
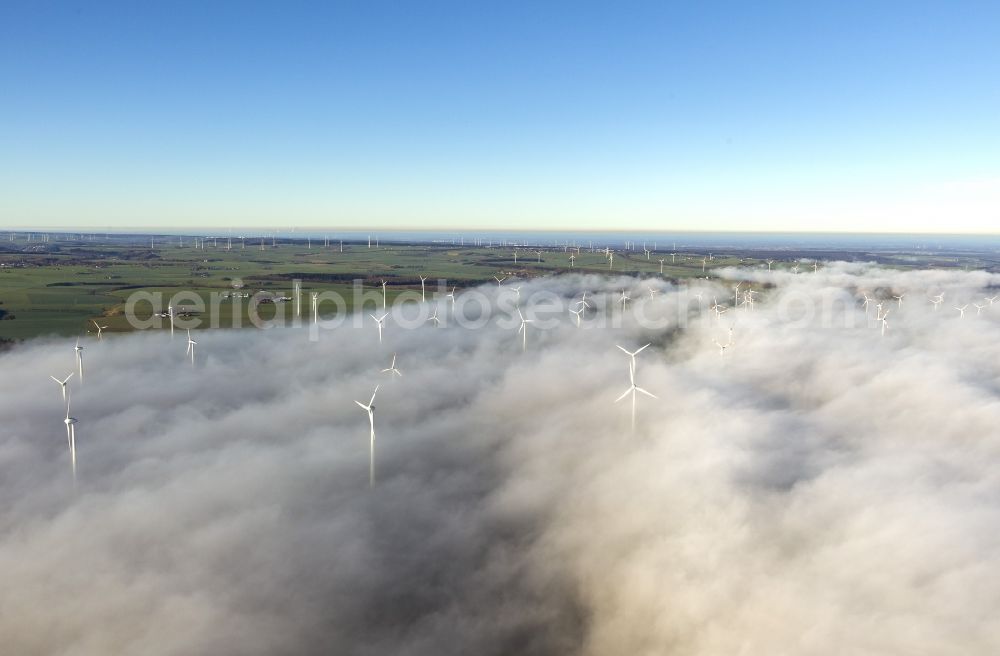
{"points": [[298, 299], [170, 314], [578, 314], [991, 299], [937, 300], [451, 295], [379, 321], [190, 348], [885, 324], [62, 383], [867, 302], [383, 294], [99, 327], [393, 371], [611, 261], [79, 359], [632, 389], [704, 262], [583, 301], [314, 298], [370, 409], [423, 298], [769, 263], [899, 299], [661, 266], [961, 311], [736, 294], [523, 330], [572, 259], [979, 308], [624, 299], [499, 281], [71, 436]]}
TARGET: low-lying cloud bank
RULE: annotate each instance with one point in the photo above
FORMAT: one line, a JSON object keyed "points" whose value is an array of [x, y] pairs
{"points": [[819, 489]]}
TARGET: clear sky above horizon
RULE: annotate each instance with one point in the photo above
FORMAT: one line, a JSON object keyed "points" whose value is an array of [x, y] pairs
{"points": [[839, 116]]}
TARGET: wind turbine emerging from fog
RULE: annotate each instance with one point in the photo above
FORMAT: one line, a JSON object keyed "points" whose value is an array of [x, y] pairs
{"points": [[979, 308], [71, 436], [79, 359], [434, 318], [423, 298], [62, 383], [383, 294], [393, 371], [624, 299], [632, 389], [170, 314], [99, 329], [583, 301], [370, 409], [379, 322], [499, 280], [632, 354], [523, 330], [961, 311], [578, 313], [937, 300], [899, 300], [314, 298], [190, 348], [885, 324], [991, 299]]}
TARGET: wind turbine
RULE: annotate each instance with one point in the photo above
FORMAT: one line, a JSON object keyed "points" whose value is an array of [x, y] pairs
{"points": [[661, 266], [170, 313], [624, 299], [723, 347], [979, 308], [991, 299], [71, 436], [434, 318], [652, 293], [422, 297], [393, 371], [62, 383], [523, 330], [79, 359], [451, 295], [578, 314], [190, 348], [572, 258], [899, 300], [370, 409], [632, 389], [866, 303], [961, 311], [769, 263], [499, 280], [314, 298], [379, 322], [885, 324], [937, 300], [632, 354], [719, 309], [383, 294], [736, 294], [704, 262], [611, 261], [517, 292], [583, 301], [99, 329]]}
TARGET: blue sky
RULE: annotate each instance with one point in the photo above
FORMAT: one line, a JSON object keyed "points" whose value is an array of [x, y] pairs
{"points": [[695, 116]]}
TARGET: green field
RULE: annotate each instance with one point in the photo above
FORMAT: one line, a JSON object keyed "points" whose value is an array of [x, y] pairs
{"points": [[60, 286]]}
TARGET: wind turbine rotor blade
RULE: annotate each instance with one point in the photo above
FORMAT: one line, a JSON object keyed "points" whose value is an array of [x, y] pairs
{"points": [[649, 394], [624, 394]]}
